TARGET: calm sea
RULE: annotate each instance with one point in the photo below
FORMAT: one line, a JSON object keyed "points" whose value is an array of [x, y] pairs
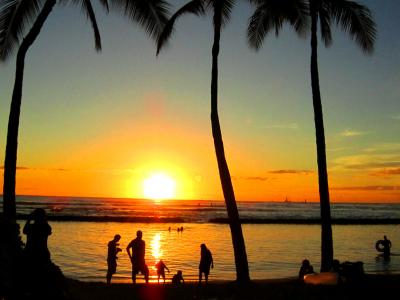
{"points": [[274, 250]]}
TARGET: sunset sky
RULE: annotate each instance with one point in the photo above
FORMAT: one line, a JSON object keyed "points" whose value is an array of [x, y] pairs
{"points": [[100, 124]]}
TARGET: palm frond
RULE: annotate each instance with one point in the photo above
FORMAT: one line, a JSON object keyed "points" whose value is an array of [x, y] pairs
{"points": [[325, 23], [356, 20], [15, 17], [270, 15], [87, 9], [104, 3], [194, 7], [150, 14]]}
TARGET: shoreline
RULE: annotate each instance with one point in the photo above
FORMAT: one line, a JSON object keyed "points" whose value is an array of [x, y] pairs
{"points": [[370, 287], [129, 219]]}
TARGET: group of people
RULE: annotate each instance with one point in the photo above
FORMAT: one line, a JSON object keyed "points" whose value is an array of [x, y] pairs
{"points": [[136, 252], [347, 269]]}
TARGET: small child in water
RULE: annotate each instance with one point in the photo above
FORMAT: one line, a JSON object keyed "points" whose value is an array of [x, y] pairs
{"points": [[178, 278], [161, 270]]}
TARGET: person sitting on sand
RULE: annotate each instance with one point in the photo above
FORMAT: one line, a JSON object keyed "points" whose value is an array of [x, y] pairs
{"points": [[161, 270], [112, 257], [206, 261], [306, 268], [178, 278], [137, 257], [37, 233]]}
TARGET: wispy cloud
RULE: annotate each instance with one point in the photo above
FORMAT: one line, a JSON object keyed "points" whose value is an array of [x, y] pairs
{"points": [[368, 161], [387, 172], [290, 126], [384, 148], [368, 188], [254, 178], [352, 133], [305, 172], [29, 168], [395, 117]]}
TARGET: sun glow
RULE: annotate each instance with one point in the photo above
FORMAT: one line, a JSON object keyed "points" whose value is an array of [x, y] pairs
{"points": [[159, 187]]}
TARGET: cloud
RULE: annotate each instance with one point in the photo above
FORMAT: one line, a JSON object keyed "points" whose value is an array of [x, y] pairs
{"points": [[352, 133], [387, 172], [45, 169], [291, 126], [384, 147], [368, 188], [254, 178], [395, 117], [368, 161], [18, 168], [305, 172]]}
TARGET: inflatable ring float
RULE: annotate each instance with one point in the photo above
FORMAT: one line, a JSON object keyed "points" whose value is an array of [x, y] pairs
{"points": [[379, 245]]}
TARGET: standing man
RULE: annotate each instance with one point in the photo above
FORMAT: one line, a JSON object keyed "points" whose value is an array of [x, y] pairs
{"points": [[206, 261], [137, 257], [112, 257]]}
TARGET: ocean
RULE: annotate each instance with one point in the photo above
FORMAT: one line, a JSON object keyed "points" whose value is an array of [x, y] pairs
{"points": [[82, 228]]}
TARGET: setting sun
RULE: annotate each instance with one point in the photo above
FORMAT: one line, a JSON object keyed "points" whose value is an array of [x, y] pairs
{"points": [[159, 186]]}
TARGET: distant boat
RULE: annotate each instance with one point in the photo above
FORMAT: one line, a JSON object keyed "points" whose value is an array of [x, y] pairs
{"points": [[286, 200]]}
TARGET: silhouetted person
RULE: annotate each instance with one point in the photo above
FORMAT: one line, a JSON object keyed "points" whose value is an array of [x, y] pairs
{"points": [[161, 270], [40, 278], [306, 268], [112, 257], [181, 228], [387, 244], [178, 278], [36, 237], [137, 257], [206, 261]]}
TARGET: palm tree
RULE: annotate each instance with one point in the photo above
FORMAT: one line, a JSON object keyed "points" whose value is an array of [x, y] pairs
{"points": [[15, 16], [356, 20], [221, 10]]}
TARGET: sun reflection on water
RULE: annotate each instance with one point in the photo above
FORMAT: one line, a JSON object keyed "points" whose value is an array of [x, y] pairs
{"points": [[156, 247]]}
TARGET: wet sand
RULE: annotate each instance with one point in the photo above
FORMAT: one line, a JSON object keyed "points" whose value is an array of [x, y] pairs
{"points": [[371, 287]]}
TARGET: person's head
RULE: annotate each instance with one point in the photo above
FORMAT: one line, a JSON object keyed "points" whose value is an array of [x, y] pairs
{"points": [[203, 247], [139, 234], [335, 265], [180, 273], [117, 237], [384, 237], [305, 263], [39, 215]]}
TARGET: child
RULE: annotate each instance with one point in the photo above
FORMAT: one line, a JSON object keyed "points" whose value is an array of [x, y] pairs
{"points": [[160, 270], [306, 268], [178, 278]]}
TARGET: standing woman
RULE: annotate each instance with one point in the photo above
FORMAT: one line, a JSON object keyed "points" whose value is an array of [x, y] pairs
{"points": [[206, 261]]}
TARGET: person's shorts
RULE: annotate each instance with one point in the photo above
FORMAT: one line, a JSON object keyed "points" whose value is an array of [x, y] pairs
{"points": [[142, 268], [112, 266]]}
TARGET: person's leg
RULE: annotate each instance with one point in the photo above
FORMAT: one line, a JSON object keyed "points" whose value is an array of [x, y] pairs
{"points": [[200, 275], [133, 276], [108, 276], [146, 273]]}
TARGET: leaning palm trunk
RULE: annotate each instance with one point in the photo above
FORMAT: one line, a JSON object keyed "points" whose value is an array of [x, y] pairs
{"points": [[10, 162], [239, 248], [326, 227]]}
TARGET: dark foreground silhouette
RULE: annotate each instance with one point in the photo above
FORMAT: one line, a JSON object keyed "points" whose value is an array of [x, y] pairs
{"points": [[372, 287], [29, 272]]}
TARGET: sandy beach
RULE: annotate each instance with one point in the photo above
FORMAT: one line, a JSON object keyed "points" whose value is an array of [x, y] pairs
{"points": [[371, 287]]}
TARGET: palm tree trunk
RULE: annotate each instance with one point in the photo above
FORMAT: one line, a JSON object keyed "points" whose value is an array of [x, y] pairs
{"points": [[326, 227], [10, 162], [239, 248]]}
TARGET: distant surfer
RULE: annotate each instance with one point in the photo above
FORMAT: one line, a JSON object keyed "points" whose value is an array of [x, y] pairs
{"points": [[384, 246]]}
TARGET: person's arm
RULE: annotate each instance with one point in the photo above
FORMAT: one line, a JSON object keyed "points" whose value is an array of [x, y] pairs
{"points": [[129, 251], [212, 261], [27, 224]]}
